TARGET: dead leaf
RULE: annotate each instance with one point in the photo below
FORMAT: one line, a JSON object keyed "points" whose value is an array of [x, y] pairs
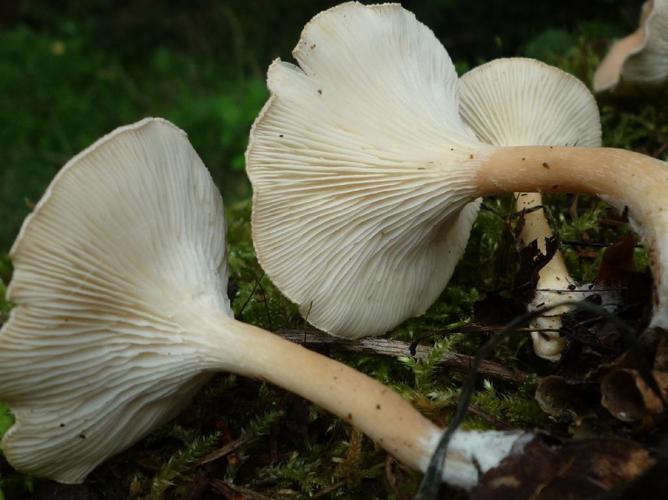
{"points": [[626, 395], [617, 266], [546, 470], [563, 399]]}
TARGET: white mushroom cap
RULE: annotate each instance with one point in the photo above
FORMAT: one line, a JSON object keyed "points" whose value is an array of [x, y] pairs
{"points": [[91, 358], [641, 58], [523, 102], [360, 166]]}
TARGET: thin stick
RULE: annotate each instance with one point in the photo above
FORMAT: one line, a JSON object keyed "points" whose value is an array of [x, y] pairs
{"points": [[225, 450], [226, 488], [330, 489], [397, 348]]}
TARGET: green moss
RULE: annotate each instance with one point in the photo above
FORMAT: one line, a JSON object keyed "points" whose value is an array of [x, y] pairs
{"points": [[6, 420], [516, 408], [179, 463]]}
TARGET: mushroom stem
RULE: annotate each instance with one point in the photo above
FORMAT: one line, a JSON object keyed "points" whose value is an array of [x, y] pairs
{"points": [[535, 228], [625, 179], [375, 409], [553, 278]]}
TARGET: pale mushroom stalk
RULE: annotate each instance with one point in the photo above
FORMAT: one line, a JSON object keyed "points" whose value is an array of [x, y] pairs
{"points": [[522, 102], [372, 407], [121, 314], [365, 403], [365, 175], [554, 280]]}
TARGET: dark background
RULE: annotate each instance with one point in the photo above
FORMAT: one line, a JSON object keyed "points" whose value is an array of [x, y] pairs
{"points": [[72, 71]]}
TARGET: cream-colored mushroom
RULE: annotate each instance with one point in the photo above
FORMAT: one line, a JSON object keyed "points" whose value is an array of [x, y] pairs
{"points": [[523, 102], [121, 314], [641, 58], [365, 176]]}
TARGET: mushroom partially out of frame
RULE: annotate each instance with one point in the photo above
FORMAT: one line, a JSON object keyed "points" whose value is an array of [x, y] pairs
{"points": [[365, 175], [523, 102], [121, 314], [641, 58]]}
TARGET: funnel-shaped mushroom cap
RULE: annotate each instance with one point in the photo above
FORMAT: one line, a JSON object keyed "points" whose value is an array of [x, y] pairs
{"points": [[91, 359], [524, 102], [640, 58], [361, 173]]}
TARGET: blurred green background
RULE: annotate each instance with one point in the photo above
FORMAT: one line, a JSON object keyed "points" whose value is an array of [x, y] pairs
{"points": [[72, 71]]}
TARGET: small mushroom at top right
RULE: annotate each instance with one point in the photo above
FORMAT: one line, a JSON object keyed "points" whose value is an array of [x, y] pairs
{"points": [[639, 60]]}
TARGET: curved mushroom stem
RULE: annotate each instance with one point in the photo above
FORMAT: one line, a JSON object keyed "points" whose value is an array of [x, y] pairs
{"points": [[623, 178], [553, 279], [372, 407]]}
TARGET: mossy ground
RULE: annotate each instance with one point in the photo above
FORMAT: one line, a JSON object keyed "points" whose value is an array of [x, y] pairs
{"points": [[284, 447]]}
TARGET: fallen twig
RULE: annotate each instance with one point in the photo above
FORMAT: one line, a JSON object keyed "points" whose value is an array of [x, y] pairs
{"points": [[230, 490], [330, 489], [225, 450], [397, 348]]}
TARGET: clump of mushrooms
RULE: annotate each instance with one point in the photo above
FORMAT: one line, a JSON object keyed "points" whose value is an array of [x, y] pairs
{"points": [[365, 175], [522, 102], [641, 58], [121, 314]]}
